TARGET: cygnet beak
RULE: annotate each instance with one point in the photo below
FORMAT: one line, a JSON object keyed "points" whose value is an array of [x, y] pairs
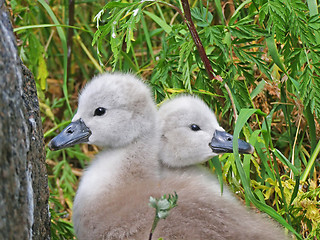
{"points": [[76, 132], [222, 143]]}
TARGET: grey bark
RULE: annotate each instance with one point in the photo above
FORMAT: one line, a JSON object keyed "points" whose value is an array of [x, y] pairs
{"points": [[24, 193]]}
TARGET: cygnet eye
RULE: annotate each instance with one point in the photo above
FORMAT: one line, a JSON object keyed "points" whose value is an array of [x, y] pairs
{"points": [[195, 127], [99, 111]]}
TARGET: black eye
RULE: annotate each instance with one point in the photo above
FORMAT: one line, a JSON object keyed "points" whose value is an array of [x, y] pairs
{"points": [[195, 127], [99, 111]]}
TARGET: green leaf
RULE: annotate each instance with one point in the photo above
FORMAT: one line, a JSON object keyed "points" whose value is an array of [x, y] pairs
{"points": [[214, 162], [219, 11], [42, 73], [237, 11], [313, 7], [112, 4], [159, 21], [310, 163], [274, 53], [163, 204], [285, 161], [18, 29], [152, 202], [203, 17]]}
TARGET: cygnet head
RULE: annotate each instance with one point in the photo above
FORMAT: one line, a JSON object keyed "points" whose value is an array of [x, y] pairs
{"points": [[114, 109], [190, 133]]}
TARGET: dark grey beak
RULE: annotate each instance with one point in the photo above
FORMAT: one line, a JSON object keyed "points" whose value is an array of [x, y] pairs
{"points": [[76, 132], [222, 143]]}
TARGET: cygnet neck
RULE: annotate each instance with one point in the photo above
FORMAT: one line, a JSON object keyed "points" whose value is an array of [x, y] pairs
{"points": [[166, 169], [113, 169], [118, 166], [141, 158]]}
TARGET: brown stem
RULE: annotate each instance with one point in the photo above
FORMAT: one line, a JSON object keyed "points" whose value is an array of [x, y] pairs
{"points": [[196, 39], [186, 16], [195, 36]]}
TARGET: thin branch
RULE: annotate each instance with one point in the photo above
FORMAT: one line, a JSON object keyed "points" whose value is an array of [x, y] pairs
{"points": [[186, 16], [235, 114], [195, 36], [196, 39]]}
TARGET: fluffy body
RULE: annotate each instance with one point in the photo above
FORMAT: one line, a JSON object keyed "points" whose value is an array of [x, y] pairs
{"points": [[200, 214]]}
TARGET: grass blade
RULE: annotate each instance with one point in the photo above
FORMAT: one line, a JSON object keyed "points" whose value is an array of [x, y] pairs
{"points": [[65, 51], [18, 29], [147, 36], [274, 53], [285, 161], [215, 163], [219, 11], [159, 21], [310, 163], [235, 14]]}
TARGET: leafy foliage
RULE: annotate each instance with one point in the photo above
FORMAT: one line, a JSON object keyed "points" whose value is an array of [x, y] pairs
{"points": [[266, 52], [162, 207]]}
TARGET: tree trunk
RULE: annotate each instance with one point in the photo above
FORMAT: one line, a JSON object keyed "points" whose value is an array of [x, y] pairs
{"points": [[24, 190]]}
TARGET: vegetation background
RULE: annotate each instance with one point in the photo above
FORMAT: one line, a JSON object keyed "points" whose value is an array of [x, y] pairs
{"points": [[258, 68]]}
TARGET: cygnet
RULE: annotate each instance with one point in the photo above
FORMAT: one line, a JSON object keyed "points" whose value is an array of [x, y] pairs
{"points": [[115, 112], [191, 134]]}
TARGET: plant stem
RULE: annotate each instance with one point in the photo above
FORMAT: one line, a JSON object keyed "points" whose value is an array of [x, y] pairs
{"points": [[196, 39], [154, 225], [188, 20], [312, 127], [202, 53]]}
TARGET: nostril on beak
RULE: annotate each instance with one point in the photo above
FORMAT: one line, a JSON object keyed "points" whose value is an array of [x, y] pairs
{"points": [[69, 131]]}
